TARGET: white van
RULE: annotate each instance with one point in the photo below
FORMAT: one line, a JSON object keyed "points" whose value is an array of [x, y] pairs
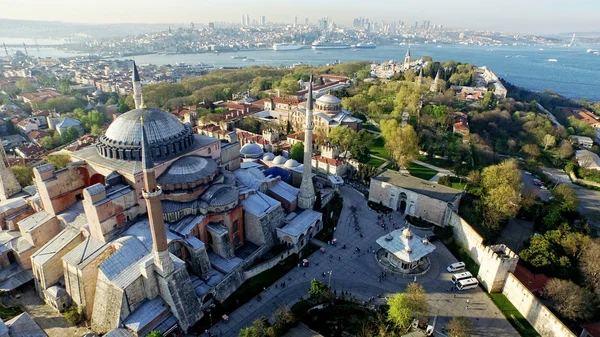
{"points": [[461, 276], [456, 267], [469, 283]]}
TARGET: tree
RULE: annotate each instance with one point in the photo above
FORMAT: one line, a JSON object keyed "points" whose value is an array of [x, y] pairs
{"points": [[570, 300], [501, 185], [122, 104], [445, 180], [411, 303], [288, 128], [297, 152], [401, 142], [25, 85], [342, 136], [59, 161], [47, 142], [460, 327], [23, 173], [317, 288], [532, 150], [590, 265], [154, 333], [549, 141], [566, 196], [72, 315], [360, 149], [565, 149], [69, 135], [258, 329]]}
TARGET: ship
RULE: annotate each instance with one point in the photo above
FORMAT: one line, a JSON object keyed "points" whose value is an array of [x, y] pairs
{"points": [[330, 45], [368, 45], [286, 46], [552, 60], [238, 57]]}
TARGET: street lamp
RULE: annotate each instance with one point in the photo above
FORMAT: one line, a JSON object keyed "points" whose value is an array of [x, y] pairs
{"points": [[329, 282]]}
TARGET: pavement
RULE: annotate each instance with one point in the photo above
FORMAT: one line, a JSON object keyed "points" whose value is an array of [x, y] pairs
{"points": [[358, 274], [528, 185]]}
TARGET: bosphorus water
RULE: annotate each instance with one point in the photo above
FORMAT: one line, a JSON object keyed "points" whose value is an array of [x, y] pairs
{"points": [[575, 74]]}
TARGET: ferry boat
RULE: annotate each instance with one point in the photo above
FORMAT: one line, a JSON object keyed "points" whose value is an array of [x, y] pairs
{"points": [[286, 46], [552, 60], [238, 57], [330, 45], [368, 45], [592, 51]]}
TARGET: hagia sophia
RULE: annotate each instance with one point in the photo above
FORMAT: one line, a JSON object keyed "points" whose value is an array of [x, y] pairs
{"points": [[149, 227]]}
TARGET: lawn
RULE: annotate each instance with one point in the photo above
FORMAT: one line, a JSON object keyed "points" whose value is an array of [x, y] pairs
{"points": [[439, 162], [458, 183], [513, 315], [378, 148], [422, 172], [375, 162]]}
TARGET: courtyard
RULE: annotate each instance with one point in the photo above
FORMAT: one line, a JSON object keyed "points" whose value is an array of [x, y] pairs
{"points": [[358, 273]]}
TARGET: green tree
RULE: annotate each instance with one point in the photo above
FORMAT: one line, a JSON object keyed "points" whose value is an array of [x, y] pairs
{"points": [[400, 142], [567, 198], [25, 85], [72, 315], [297, 152], [565, 149], [460, 327], [288, 128], [70, 135], [23, 173], [445, 180], [360, 149], [317, 288], [342, 136], [288, 85], [549, 141], [122, 104], [154, 333], [502, 187], [59, 161], [258, 329], [411, 303], [318, 202], [47, 142]]}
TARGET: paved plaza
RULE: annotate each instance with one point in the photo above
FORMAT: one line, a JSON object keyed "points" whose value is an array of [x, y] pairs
{"points": [[358, 273]]}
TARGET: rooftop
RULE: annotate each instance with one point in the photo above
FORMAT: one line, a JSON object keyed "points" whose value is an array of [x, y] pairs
{"points": [[406, 245], [301, 222], [259, 204], [417, 185]]}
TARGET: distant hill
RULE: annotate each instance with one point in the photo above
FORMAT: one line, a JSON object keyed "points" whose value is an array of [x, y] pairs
{"points": [[59, 30]]}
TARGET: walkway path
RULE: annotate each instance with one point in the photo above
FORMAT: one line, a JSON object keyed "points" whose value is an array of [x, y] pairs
{"points": [[358, 273], [441, 171]]}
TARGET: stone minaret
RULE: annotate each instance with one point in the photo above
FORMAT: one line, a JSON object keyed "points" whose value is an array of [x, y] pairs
{"points": [[436, 81], [307, 197], [152, 193], [406, 64], [8, 182], [420, 78], [137, 88]]}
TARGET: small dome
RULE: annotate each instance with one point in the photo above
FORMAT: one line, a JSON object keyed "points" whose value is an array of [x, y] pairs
{"points": [[328, 99], [279, 160], [291, 163], [268, 156], [252, 150], [188, 169]]}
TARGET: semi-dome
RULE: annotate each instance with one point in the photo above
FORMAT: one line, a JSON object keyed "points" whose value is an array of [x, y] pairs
{"points": [[328, 99], [188, 170], [166, 135], [269, 156], [251, 150], [279, 160], [291, 163]]}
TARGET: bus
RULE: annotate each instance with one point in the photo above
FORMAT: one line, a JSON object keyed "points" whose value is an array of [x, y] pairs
{"points": [[469, 283], [461, 276]]}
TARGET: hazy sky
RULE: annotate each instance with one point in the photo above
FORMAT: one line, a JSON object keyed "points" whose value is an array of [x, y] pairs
{"points": [[535, 16]]}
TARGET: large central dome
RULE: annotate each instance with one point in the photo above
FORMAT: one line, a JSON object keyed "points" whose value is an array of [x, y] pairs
{"points": [[167, 136]]}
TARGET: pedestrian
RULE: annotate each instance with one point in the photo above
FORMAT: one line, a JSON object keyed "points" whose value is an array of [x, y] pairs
{"points": [[304, 274], [339, 258], [361, 235], [276, 286]]}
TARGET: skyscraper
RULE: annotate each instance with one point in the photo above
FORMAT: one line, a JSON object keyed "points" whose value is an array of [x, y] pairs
{"points": [[243, 20], [263, 20], [247, 20], [295, 20]]}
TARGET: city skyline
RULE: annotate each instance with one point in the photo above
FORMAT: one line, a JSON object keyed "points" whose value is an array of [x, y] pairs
{"points": [[548, 17]]}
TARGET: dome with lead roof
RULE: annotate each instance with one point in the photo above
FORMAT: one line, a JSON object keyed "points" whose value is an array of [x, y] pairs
{"points": [[166, 135]]}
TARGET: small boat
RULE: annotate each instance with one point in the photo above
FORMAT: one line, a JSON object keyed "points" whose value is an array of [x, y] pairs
{"points": [[318, 52], [552, 60], [238, 57], [249, 60], [541, 48]]}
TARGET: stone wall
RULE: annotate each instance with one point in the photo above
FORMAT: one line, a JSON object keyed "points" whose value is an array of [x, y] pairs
{"points": [[536, 313], [268, 264]]}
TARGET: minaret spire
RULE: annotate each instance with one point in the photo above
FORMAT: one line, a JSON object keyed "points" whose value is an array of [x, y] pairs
{"points": [[137, 88], [306, 197], [152, 193]]}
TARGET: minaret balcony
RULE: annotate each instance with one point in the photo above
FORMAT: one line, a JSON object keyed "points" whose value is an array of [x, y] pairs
{"points": [[152, 194]]}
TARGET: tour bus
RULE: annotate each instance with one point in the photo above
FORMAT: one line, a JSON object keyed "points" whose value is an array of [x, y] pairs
{"points": [[469, 283], [456, 267], [461, 276]]}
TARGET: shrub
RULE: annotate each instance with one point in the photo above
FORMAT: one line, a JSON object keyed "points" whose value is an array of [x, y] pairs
{"points": [[445, 180], [72, 315]]}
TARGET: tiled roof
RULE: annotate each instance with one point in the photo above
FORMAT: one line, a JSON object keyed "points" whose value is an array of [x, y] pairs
{"points": [[259, 204], [301, 222]]}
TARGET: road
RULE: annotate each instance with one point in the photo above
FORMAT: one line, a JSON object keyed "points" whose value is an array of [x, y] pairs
{"points": [[528, 185], [588, 199]]}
